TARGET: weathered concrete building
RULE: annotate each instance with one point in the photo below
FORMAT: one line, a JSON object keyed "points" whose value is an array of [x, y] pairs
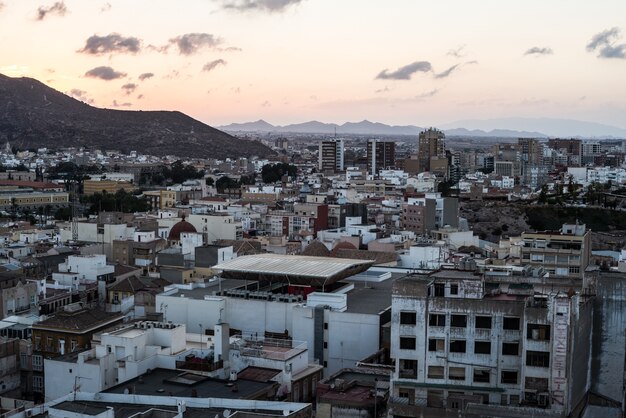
{"points": [[463, 344]]}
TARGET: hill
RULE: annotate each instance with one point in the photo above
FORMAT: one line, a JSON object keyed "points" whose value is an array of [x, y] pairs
{"points": [[33, 115]]}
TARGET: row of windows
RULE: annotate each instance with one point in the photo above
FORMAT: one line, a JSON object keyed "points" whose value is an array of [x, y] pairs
{"points": [[509, 377], [481, 322]]}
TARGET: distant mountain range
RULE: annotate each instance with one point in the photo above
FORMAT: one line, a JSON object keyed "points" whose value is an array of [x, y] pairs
{"points": [[33, 115], [493, 128]]}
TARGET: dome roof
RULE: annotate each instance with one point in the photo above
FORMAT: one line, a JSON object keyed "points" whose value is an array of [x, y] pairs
{"points": [[179, 228], [316, 249], [343, 245]]}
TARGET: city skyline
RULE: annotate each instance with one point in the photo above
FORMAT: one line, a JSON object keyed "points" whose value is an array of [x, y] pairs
{"points": [[288, 61]]}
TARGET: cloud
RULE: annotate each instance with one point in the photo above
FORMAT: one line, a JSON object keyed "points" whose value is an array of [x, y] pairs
{"points": [[271, 6], [106, 7], [104, 73], [604, 43], [266, 104], [535, 50], [471, 62], [145, 76], [427, 94], [406, 72], [383, 90], [140, 97], [210, 66], [129, 88], [79, 95], [457, 52], [229, 49], [447, 72], [1, 5], [190, 43], [57, 8], [111, 43], [125, 104]]}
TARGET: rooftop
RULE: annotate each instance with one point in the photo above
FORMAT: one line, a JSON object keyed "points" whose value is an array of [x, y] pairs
{"points": [[164, 382], [371, 297], [294, 269]]}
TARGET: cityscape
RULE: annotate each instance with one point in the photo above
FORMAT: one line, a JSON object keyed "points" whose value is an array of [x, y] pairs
{"points": [[212, 223]]}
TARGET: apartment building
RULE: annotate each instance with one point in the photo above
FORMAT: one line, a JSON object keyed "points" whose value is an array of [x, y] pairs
{"points": [[466, 346], [564, 253], [330, 157]]}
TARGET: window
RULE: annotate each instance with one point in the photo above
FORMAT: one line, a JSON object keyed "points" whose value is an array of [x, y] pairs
{"points": [[538, 332], [435, 372], [458, 321], [38, 383], [436, 344], [325, 344], [456, 373], [574, 270], [440, 289], [538, 358], [437, 320], [482, 376], [408, 368], [457, 346], [509, 377], [407, 343], [325, 325], [37, 363], [511, 323], [483, 322], [482, 347], [454, 289], [510, 349], [408, 318], [536, 257], [514, 399]]}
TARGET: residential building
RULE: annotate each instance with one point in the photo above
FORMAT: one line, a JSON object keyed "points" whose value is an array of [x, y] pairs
{"points": [[67, 331], [380, 155], [330, 157], [431, 144], [563, 254]]}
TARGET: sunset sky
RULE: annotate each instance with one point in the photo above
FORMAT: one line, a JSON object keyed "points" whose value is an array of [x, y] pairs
{"points": [[286, 61]]}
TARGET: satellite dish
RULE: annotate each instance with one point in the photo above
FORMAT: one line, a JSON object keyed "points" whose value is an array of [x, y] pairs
{"points": [[286, 412], [226, 413]]}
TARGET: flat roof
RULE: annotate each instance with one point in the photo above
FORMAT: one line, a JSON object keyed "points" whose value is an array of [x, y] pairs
{"points": [[215, 286], [293, 269], [371, 297], [164, 382]]}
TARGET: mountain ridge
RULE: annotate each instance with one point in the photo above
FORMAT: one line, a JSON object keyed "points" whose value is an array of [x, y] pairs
{"points": [[34, 115], [366, 127]]}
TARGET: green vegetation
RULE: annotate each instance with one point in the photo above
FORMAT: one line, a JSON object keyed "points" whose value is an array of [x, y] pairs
{"points": [[271, 173], [543, 218], [121, 201]]}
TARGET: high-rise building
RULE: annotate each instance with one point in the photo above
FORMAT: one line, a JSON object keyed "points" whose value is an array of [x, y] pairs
{"points": [[531, 151], [430, 145], [331, 155], [380, 155], [571, 147]]}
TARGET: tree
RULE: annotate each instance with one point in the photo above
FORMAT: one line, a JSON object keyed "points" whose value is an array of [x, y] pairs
{"points": [[271, 173], [226, 182]]}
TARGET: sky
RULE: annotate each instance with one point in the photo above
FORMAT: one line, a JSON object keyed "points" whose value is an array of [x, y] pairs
{"points": [[288, 61]]}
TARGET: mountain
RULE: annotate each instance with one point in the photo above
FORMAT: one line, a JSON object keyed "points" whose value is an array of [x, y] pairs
{"points": [[551, 127], [33, 115], [495, 133], [315, 127], [492, 128]]}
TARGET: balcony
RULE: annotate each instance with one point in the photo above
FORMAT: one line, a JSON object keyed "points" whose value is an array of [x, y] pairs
{"points": [[250, 345]]}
